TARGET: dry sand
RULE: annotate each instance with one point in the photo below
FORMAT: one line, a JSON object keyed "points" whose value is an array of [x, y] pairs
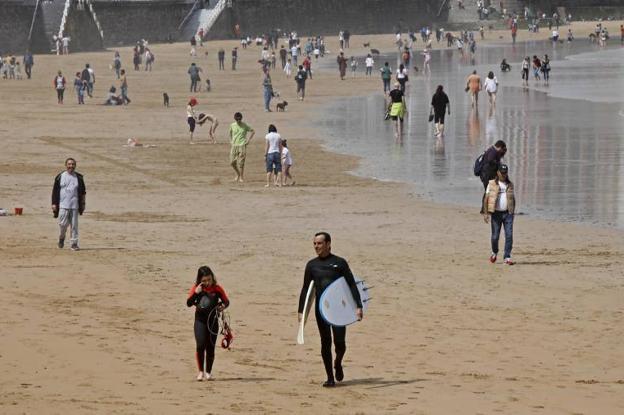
{"points": [[106, 330]]}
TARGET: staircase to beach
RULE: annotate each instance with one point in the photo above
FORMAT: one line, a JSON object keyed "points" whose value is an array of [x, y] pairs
{"points": [[469, 14], [468, 17], [202, 18], [53, 12]]}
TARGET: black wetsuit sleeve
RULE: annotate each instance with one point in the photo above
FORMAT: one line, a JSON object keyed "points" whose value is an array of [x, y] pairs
{"points": [[348, 275], [307, 279], [192, 300]]}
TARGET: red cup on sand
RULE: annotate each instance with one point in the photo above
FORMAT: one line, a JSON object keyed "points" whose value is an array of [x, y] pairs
{"points": [[18, 211]]}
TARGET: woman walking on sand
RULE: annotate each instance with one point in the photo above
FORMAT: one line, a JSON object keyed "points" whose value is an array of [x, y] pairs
{"points": [[473, 86], [342, 65], [537, 67], [59, 86], [491, 87], [546, 68], [427, 59], [402, 77], [526, 63], [397, 110], [439, 105], [209, 300]]}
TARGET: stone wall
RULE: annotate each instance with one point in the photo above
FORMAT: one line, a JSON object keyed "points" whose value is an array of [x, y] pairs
{"points": [[125, 23], [328, 17], [15, 20]]}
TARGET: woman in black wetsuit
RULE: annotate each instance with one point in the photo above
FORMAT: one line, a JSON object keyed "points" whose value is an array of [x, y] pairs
{"points": [[209, 300]]}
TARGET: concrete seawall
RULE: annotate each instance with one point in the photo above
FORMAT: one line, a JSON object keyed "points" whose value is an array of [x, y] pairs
{"points": [[328, 17], [126, 21], [15, 20]]}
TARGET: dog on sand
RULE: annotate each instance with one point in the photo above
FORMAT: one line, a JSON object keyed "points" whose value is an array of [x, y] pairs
{"points": [[281, 106]]}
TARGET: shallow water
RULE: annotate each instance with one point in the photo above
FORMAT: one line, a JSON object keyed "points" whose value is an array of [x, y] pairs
{"points": [[565, 140]]}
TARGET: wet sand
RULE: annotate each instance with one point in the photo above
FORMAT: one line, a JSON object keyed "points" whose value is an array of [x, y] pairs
{"points": [[106, 329], [564, 137]]}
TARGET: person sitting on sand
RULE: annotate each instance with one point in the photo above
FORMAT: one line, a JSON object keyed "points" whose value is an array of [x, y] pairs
{"points": [[504, 66], [112, 98]]}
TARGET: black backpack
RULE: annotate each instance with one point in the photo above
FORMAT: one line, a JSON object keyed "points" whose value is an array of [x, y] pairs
{"points": [[478, 164]]}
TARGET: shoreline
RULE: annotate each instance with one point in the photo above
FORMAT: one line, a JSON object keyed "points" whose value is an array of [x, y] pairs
{"points": [[415, 187]]}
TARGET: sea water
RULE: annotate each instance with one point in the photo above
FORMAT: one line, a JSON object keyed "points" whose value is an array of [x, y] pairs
{"points": [[565, 139]]}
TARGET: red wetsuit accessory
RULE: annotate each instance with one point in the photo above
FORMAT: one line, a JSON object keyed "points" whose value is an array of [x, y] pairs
{"points": [[226, 331]]}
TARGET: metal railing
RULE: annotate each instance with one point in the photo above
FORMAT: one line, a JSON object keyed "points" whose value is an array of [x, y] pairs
{"points": [[441, 7], [32, 23], [64, 18], [189, 14]]}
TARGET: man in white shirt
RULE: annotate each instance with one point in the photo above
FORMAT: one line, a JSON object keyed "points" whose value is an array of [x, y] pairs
{"points": [[68, 202], [65, 41]]}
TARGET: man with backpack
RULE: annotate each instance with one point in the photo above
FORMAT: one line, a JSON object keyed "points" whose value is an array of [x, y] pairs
{"points": [[487, 164]]}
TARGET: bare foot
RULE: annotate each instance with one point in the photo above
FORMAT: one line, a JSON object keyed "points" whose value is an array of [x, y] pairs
{"points": [[236, 179], [266, 185]]}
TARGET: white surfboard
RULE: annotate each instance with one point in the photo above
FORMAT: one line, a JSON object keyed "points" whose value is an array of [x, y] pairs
{"points": [[307, 306], [337, 305]]}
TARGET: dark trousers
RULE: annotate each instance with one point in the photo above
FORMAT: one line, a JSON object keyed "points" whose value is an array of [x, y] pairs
{"points": [[502, 220], [386, 84], [326, 330], [59, 95], [205, 339], [221, 64], [28, 70]]}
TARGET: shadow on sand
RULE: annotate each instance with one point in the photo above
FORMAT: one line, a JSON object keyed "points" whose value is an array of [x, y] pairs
{"points": [[374, 383]]}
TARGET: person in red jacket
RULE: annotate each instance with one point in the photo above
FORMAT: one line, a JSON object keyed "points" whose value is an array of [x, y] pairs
{"points": [[307, 65], [59, 85], [209, 300]]}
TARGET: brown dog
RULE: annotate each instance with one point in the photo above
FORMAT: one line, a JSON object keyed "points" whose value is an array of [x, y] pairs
{"points": [[281, 106]]}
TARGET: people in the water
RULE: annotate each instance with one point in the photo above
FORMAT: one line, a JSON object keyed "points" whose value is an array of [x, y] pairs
{"points": [[209, 300], [323, 270]]}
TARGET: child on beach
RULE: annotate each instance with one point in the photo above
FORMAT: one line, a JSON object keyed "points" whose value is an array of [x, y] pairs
{"points": [[354, 65], [78, 87], [287, 163], [18, 71], [288, 68], [190, 117]]}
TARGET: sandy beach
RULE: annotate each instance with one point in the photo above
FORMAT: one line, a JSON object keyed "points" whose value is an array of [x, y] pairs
{"points": [[106, 330]]}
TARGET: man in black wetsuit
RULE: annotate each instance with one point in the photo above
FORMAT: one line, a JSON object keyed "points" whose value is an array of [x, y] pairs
{"points": [[323, 270]]}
